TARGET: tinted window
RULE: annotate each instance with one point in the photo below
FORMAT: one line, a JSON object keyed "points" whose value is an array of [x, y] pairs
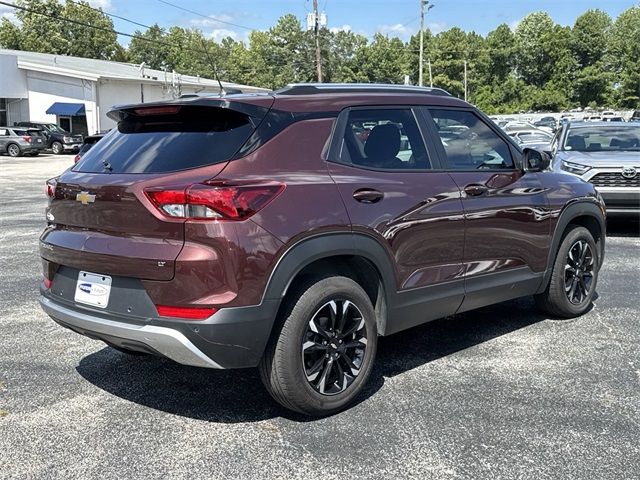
{"points": [[193, 137], [469, 143], [384, 138], [20, 133]]}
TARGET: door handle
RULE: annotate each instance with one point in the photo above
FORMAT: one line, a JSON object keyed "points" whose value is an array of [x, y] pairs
{"points": [[475, 190], [368, 195]]}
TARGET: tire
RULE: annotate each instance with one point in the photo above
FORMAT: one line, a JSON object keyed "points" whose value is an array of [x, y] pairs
{"points": [[289, 366], [14, 150], [573, 284], [57, 148]]}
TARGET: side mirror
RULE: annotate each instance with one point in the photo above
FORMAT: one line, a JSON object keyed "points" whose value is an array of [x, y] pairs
{"points": [[535, 160]]}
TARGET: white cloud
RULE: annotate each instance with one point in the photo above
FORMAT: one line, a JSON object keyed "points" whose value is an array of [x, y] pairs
{"points": [[218, 34], [211, 21], [396, 30], [343, 28], [105, 5], [8, 13], [437, 27]]}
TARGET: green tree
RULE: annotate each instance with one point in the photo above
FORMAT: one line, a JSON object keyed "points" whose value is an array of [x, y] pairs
{"points": [[342, 66], [73, 29], [150, 47], [382, 61], [624, 55]]}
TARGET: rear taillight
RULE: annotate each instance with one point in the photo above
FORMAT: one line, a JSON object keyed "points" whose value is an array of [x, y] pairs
{"points": [[27, 138], [76, 158], [47, 283], [192, 313], [214, 201], [50, 188]]}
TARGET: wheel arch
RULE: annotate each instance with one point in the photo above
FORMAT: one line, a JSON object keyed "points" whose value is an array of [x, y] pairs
{"points": [[357, 256], [585, 213]]}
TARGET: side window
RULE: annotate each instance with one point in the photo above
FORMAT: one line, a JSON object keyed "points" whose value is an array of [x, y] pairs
{"points": [[384, 138], [3, 132], [469, 142]]}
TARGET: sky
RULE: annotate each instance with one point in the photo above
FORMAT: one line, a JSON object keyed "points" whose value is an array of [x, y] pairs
{"points": [[393, 17]]}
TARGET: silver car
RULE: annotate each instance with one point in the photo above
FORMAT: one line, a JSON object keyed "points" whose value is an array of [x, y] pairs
{"points": [[18, 141], [606, 155]]}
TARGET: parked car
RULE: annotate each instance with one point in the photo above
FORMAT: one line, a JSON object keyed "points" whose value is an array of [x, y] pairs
{"points": [[537, 139], [88, 143], [16, 142], [635, 117], [606, 155], [262, 230], [613, 118], [57, 139], [547, 122]]}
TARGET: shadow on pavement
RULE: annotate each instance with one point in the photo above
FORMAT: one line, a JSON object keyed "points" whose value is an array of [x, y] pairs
{"points": [[238, 395]]}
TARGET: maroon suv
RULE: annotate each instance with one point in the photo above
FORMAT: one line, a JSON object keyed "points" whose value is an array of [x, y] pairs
{"points": [[289, 230]]}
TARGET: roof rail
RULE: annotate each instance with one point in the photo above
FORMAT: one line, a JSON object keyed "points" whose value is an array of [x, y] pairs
{"points": [[315, 88]]}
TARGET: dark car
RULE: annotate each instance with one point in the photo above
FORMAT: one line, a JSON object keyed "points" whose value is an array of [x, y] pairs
{"points": [[271, 231], [88, 143], [606, 155], [57, 139], [16, 141]]}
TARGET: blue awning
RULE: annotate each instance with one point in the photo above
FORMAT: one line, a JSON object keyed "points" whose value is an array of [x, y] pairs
{"points": [[66, 109]]}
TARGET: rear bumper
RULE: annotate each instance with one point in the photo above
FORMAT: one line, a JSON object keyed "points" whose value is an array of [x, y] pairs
{"points": [[164, 341], [71, 147], [231, 338]]}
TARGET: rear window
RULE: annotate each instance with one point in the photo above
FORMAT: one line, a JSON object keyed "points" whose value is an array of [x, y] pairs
{"points": [[20, 133], [146, 142]]}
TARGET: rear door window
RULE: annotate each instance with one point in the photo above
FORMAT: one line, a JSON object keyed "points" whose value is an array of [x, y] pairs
{"points": [[169, 140], [384, 138]]}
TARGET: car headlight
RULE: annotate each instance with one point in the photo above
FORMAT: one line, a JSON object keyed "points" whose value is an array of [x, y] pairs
{"points": [[574, 168], [66, 139]]}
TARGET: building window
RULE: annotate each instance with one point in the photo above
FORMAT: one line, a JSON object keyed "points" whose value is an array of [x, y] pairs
{"points": [[3, 111]]}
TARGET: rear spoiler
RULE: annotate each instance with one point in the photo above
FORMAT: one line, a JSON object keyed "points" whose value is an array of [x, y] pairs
{"points": [[255, 106]]}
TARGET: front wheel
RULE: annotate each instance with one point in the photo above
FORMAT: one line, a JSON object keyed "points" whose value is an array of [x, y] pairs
{"points": [[57, 148], [322, 356], [574, 276]]}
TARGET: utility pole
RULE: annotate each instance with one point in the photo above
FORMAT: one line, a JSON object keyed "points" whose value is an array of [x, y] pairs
{"points": [[465, 80], [316, 30], [430, 75], [423, 4]]}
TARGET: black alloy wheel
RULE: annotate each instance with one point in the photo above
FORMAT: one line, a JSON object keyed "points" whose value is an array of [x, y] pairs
{"points": [[334, 346], [578, 272]]}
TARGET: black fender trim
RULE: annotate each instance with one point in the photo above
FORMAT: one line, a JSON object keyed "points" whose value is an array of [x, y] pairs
{"points": [[579, 208]]}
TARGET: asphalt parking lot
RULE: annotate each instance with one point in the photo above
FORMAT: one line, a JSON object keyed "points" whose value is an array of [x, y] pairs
{"points": [[502, 392]]}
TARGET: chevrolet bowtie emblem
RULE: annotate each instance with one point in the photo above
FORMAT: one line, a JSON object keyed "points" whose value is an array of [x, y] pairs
{"points": [[85, 198]]}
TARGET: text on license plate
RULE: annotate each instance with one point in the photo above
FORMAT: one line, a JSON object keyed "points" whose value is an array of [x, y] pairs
{"points": [[93, 289]]}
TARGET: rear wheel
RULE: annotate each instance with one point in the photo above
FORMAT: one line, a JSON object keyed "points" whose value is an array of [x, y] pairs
{"points": [[57, 148], [13, 150], [322, 356], [574, 276]]}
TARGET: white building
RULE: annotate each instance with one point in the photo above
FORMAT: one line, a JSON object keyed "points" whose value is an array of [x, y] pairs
{"points": [[76, 93]]}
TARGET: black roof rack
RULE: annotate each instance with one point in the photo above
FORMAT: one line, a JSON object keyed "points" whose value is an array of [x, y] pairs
{"points": [[315, 88]]}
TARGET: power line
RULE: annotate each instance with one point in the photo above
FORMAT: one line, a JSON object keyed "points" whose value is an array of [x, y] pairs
{"points": [[111, 30], [209, 17], [95, 27]]}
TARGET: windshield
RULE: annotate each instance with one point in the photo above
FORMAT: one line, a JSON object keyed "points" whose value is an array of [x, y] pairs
{"points": [[52, 127], [603, 139]]}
